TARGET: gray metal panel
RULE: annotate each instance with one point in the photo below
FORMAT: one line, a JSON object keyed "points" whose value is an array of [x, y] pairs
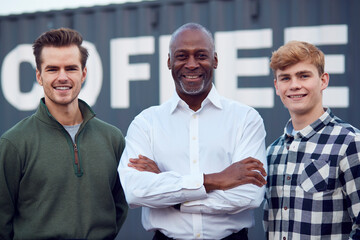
{"points": [[99, 25]]}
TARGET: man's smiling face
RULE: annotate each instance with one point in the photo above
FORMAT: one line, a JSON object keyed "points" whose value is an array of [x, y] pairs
{"points": [[192, 62], [300, 88], [61, 74]]}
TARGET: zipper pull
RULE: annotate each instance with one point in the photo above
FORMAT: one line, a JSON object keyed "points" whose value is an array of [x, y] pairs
{"points": [[77, 158]]}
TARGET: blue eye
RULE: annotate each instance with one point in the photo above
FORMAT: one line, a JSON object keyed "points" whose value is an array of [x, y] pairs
{"points": [[305, 76]]}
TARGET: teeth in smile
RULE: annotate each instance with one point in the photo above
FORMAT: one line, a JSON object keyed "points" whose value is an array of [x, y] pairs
{"points": [[62, 88], [296, 96], [191, 77]]}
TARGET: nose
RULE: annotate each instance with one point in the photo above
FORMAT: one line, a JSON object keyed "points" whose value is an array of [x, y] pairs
{"points": [[62, 75], [295, 84], [192, 63]]}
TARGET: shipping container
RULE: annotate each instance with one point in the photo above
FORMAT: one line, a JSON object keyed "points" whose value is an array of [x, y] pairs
{"points": [[128, 45]]}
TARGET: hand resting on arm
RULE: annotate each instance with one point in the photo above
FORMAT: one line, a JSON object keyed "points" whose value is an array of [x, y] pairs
{"points": [[247, 171]]}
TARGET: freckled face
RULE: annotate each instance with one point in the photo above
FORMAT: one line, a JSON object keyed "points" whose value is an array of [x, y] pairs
{"points": [[61, 74], [300, 89], [192, 62]]}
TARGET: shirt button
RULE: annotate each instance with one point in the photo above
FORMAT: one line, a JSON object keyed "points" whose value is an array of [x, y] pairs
{"points": [[194, 161], [194, 138], [285, 208], [288, 178], [287, 147], [198, 235], [284, 238], [194, 116]]}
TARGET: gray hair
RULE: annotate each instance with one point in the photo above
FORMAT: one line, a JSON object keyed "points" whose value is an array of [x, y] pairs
{"points": [[192, 26]]}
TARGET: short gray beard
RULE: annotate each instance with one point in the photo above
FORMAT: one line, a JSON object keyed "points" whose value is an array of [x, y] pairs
{"points": [[195, 91]]}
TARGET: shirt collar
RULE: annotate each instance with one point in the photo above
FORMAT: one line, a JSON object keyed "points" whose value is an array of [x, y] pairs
{"points": [[311, 129], [44, 114], [213, 97]]}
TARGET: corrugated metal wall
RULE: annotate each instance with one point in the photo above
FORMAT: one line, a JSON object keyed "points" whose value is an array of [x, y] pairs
{"points": [[127, 70]]}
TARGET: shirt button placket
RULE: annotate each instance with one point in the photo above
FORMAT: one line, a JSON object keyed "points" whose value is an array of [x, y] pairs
{"points": [[195, 168], [194, 143]]}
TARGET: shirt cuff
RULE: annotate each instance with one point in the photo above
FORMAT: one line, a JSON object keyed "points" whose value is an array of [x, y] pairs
{"points": [[193, 187], [193, 181]]}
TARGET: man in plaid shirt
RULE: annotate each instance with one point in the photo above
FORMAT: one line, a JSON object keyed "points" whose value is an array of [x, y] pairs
{"points": [[313, 188]]}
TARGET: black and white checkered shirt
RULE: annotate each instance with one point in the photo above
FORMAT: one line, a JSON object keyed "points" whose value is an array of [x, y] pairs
{"points": [[313, 189]]}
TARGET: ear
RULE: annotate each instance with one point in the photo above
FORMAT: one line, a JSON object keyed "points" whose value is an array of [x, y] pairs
{"points": [[215, 60], [168, 62], [84, 72], [276, 86], [324, 80], [38, 77]]}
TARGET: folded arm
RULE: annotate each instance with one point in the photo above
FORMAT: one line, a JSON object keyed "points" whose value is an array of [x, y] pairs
{"points": [[236, 188], [247, 171], [142, 181], [240, 186]]}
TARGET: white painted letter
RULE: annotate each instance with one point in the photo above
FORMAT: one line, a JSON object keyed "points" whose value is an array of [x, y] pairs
{"points": [[167, 86], [10, 79], [122, 72], [231, 67], [93, 83]]}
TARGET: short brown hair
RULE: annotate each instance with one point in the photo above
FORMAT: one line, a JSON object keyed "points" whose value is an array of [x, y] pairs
{"points": [[59, 38], [296, 51]]}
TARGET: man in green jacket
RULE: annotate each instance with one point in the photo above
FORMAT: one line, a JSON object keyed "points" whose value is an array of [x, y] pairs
{"points": [[58, 167]]}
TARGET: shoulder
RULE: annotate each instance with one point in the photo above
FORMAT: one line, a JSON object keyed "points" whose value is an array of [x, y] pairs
{"points": [[273, 148], [341, 132], [154, 112], [239, 109], [103, 126], [278, 142], [20, 135], [21, 129], [101, 132], [344, 126]]}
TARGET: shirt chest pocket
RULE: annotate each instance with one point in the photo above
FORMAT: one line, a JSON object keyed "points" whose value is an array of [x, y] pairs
{"points": [[317, 176]]}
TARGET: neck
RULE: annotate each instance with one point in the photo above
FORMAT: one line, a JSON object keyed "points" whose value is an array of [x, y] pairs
{"points": [[300, 121], [194, 101], [68, 115]]}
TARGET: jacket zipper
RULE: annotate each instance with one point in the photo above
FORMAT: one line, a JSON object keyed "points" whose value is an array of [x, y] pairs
{"points": [[77, 158], [78, 172]]}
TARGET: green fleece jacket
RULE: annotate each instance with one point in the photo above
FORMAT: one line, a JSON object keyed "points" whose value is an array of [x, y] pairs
{"points": [[52, 188]]}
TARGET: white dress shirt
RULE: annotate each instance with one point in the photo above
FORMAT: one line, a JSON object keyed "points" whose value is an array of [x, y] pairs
{"points": [[185, 145]]}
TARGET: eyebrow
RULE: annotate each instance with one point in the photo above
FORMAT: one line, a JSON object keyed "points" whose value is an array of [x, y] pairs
{"points": [[68, 66], [187, 50], [283, 75], [50, 66], [297, 73], [302, 72]]}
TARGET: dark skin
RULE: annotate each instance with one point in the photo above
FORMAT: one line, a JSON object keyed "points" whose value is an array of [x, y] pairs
{"points": [[238, 173], [192, 61]]}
